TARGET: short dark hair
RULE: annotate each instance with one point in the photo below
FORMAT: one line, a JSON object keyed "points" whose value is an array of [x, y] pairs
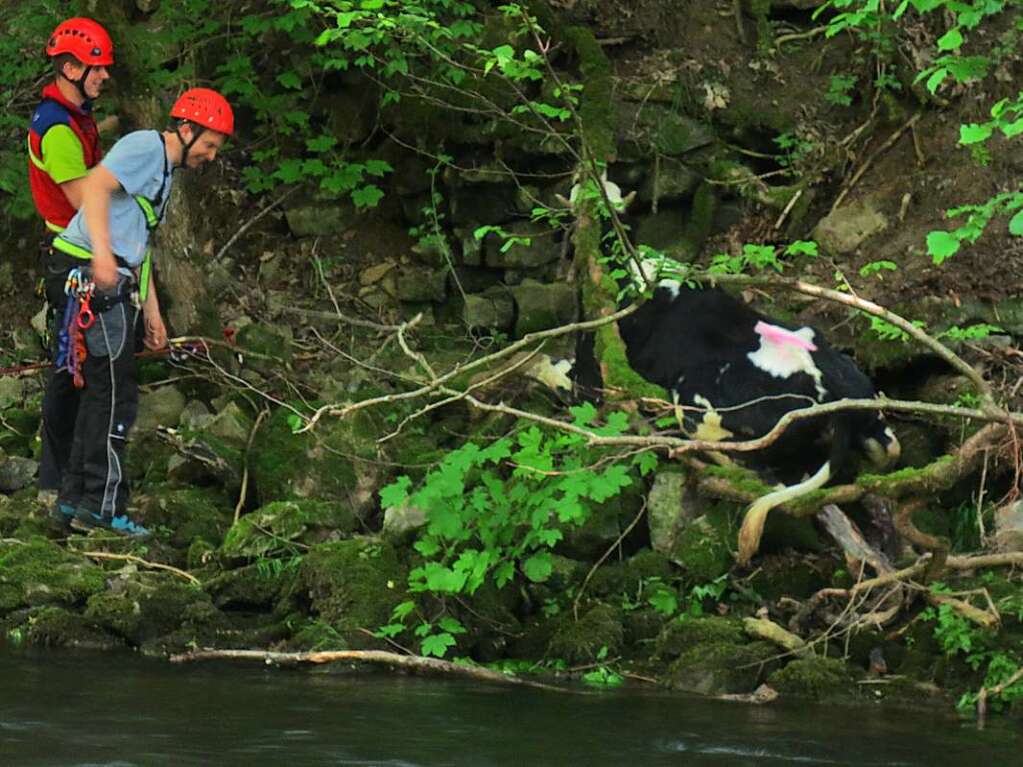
{"points": [[61, 59]]}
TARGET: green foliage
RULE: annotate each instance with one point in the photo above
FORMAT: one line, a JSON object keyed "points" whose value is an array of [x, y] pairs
{"points": [[496, 511], [880, 23], [876, 267], [840, 90], [603, 675], [957, 636], [713, 590], [758, 258]]}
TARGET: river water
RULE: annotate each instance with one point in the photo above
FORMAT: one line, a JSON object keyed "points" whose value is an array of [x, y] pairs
{"points": [[66, 710]]}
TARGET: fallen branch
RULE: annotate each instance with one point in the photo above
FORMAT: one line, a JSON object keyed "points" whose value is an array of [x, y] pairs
{"points": [[761, 628], [413, 663], [998, 689]]}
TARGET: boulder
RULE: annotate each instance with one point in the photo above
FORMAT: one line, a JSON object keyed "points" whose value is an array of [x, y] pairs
{"points": [[540, 306], [541, 248], [160, 407], [843, 230], [16, 473]]}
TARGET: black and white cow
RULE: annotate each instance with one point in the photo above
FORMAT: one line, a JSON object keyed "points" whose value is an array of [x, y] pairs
{"points": [[735, 373]]}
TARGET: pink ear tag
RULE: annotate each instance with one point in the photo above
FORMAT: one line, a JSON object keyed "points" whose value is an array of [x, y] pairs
{"points": [[782, 337]]}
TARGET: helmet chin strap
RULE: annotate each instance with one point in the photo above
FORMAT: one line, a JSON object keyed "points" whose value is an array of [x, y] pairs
{"points": [[197, 130], [80, 82]]}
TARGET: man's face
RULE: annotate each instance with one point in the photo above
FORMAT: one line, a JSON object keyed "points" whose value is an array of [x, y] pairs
{"points": [[93, 85], [205, 148]]}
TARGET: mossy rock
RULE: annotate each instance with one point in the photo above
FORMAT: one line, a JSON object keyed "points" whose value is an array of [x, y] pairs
{"points": [[582, 641], [783, 532], [266, 340], [816, 678], [39, 572], [53, 626], [490, 616], [23, 517], [256, 586], [793, 576], [20, 427], [603, 526], [626, 578], [354, 585], [716, 668], [187, 513], [682, 636], [340, 459], [145, 610], [274, 529], [704, 547], [642, 628]]}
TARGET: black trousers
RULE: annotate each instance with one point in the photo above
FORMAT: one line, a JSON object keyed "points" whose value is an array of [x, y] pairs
{"points": [[85, 430]]}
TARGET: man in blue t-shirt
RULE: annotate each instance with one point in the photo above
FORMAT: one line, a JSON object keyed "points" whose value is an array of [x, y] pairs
{"points": [[92, 398]]}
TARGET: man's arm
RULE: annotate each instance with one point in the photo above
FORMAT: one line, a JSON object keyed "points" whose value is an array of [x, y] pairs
{"points": [[156, 331], [96, 190], [73, 191]]}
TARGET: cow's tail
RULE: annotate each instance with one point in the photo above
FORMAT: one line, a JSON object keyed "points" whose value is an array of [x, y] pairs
{"points": [[753, 523]]}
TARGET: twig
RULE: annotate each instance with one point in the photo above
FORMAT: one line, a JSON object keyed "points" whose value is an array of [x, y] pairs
{"points": [[334, 317], [791, 204], [529, 339], [245, 227], [869, 161], [245, 471], [794, 36], [140, 561], [599, 562]]}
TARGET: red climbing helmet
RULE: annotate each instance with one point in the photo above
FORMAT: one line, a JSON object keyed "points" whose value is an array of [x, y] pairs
{"points": [[84, 39], [206, 108]]}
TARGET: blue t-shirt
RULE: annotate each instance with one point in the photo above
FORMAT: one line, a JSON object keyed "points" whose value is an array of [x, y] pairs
{"points": [[139, 163]]}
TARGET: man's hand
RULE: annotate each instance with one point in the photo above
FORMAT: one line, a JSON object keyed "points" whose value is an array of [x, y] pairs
{"points": [[156, 332], [104, 272]]}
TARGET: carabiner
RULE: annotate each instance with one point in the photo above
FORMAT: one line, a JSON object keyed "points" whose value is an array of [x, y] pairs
{"points": [[85, 315]]}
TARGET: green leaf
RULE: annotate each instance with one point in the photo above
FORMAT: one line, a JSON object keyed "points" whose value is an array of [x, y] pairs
{"points": [[1016, 224], [290, 80], [951, 40], [367, 196], [396, 493], [378, 167], [538, 568], [451, 625], [437, 644], [974, 133], [322, 143], [942, 245], [664, 601], [402, 610], [936, 79]]}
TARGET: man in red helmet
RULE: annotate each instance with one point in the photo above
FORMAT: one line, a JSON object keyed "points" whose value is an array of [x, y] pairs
{"points": [[63, 142], [106, 244]]}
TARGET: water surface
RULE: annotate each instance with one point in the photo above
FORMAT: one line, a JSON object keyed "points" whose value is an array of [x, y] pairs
{"points": [[67, 710]]}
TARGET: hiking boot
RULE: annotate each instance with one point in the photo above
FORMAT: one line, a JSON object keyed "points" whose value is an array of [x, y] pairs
{"points": [[119, 523], [61, 514]]}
